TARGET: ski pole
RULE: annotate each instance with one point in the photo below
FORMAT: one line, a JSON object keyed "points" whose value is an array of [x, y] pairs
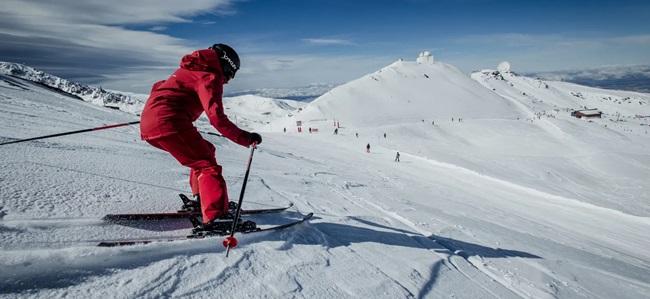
{"points": [[231, 241], [72, 132]]}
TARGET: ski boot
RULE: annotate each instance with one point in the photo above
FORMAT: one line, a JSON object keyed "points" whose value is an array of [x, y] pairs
{"points": [[221, 226], [194, 205], [190, 205]]}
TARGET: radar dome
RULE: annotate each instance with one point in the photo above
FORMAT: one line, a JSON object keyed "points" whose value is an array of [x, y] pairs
{"points": [[504, 67]]}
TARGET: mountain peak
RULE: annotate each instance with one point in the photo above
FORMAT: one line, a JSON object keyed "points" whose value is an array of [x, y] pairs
{"points": [[95, 95], [407, 91]]}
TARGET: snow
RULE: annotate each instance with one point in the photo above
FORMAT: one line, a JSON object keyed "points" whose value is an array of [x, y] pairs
{"points": [[129, 102], [403, 92], [254, 111], [302, 93], [519, 199]]}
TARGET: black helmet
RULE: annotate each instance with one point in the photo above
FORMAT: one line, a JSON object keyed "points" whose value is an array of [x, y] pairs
{"points": [[228, 58]]}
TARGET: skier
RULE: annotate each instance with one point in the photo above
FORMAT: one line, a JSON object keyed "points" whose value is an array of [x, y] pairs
{"points": [[336, 131], [397, 157], [368, 148], [166, 123]]}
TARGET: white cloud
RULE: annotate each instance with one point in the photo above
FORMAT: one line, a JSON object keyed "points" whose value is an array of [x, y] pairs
{"points": [[117, 12], [600, 73], [550, 40], [135, 79], [547, 52], [643, 39], [506, 39], [94, 31], [327, 41], [301, 70], [158, 28]]}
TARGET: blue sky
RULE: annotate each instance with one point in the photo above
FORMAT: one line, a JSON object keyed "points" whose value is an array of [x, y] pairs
{"points": [[127, 46]]}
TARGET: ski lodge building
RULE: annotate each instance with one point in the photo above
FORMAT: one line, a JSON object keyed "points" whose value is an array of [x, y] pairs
{"points": [[588, 113]]}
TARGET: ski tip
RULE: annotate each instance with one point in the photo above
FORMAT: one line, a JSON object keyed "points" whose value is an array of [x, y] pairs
{"points": [[308, 216], [111, 218]]}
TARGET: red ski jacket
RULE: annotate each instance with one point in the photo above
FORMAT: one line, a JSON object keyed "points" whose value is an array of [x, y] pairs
{"points": [[195, 87]]}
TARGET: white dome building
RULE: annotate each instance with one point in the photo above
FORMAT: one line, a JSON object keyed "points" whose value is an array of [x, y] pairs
{"points": [[425, 57]]}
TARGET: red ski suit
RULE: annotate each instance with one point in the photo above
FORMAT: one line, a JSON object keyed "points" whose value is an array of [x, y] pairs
{"points": [[166, 123]]}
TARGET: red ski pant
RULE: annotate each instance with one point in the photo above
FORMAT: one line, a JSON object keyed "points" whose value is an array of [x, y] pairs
{"points": [[191, 150]]}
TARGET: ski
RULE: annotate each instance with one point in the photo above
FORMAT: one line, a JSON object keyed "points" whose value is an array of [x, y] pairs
{"points": [[180, 214], [130, 242]]}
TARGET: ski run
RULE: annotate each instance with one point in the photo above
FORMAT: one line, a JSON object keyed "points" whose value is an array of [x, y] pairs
{"points": [[499, 193]]}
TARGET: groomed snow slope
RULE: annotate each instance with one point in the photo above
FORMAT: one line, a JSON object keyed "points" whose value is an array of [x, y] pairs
{"points": [[404, 92], [606, 160], [505, 132], [449, 220]]}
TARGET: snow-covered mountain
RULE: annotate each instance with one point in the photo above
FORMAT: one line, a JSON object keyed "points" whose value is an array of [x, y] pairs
{"points": [[249, 111], [630, 77], [405, 92], [506, 120], [519, 199], [253, 112], [97, 95], [545, 95], [303, 93]]}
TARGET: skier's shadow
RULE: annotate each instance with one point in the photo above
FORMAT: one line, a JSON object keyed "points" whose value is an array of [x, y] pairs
{"points": [[334, 235]]}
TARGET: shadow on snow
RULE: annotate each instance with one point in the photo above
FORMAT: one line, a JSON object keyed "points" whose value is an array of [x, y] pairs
{"points": [[69, 267]]}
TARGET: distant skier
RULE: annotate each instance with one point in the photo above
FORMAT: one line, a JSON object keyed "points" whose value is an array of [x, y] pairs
{"points": [[166, 123], [368, 148], [285, 130], [397, 157], [384, 135], [357, 134], [336, 131]]}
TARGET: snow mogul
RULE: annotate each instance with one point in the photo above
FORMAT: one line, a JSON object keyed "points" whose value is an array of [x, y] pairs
{"points": [[174, 104]]}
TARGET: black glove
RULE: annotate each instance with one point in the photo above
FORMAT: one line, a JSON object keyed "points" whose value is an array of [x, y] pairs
{"points": [[255, 138]]}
